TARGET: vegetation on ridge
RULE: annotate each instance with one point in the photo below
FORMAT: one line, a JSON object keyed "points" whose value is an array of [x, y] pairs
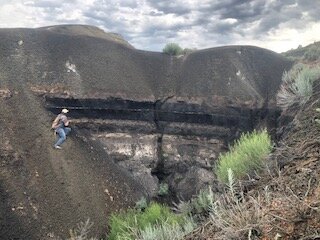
{"points": [[173, 49], [307, 53]]}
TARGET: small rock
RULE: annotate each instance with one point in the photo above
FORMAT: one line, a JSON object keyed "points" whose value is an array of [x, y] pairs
{"points": [[5, 93], [278, 236]]}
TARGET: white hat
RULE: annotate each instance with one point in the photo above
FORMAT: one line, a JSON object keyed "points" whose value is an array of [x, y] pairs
{"points": [[65, 110]]}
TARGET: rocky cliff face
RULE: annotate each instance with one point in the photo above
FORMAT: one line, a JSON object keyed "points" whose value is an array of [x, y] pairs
{"points": [[171, 142], [139, 118]]}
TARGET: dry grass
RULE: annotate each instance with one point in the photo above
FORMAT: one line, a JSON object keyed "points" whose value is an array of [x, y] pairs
{"points": [[237, 216], [276, 212], [81, 232]]}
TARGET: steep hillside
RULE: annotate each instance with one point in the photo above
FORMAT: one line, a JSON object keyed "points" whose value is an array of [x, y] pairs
{"points": [[43, 190], [148, 112]]}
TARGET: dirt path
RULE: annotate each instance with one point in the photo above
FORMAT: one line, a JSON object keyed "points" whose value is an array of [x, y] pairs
{"points": [[44, 190]]}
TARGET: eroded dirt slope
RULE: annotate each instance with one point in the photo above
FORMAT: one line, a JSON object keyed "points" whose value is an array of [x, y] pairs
{"points": [[44, 190]]}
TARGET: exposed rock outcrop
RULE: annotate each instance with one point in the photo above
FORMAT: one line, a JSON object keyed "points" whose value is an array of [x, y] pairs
{"points": [[163, 119]]}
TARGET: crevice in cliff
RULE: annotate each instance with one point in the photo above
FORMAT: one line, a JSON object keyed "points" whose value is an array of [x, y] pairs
{"points": [[158, 171]]}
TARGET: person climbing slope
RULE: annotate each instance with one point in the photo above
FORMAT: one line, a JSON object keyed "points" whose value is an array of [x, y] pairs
{"points": [[61, 127]]}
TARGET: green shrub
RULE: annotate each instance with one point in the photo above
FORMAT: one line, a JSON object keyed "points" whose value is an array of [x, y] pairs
{"points": [[121, 223], [163, 189], [127, 225], [172, 49], [245, 157], [304, 82], [142, 204], [297, 85], [157, 213], [203, 203], [199, 207]]}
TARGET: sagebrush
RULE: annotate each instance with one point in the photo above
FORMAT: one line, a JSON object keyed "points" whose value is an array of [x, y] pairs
{"points": [[297, 85], [199, 206]]}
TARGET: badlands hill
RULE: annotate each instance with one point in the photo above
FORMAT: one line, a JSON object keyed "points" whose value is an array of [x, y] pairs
{"points": [[139, 118]]}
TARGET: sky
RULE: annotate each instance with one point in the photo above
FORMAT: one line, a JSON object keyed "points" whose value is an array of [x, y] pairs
{"points": [[278, 25]]}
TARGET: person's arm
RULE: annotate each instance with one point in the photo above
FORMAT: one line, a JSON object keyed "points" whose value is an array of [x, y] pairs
{"points": [[66, 123], [55, 123]]}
